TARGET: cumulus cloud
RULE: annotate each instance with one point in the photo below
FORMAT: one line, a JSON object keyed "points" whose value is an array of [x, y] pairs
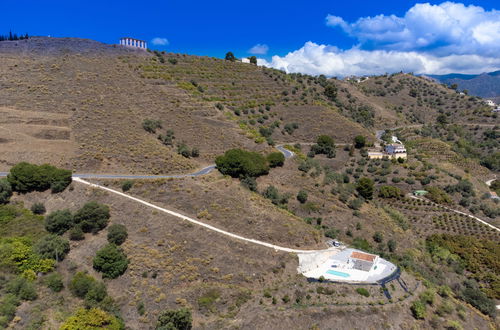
{"points": [[444, 38], [160, 41], [259, 49], [323, 59]]}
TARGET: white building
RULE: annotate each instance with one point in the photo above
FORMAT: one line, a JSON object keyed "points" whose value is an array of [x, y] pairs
{"points": [[131, 42], [396, 150], [245, 60], [363, 261], [490, 103]]}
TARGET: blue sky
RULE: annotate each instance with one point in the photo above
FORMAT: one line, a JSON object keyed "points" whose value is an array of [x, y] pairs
{"points": [[214, 27]]}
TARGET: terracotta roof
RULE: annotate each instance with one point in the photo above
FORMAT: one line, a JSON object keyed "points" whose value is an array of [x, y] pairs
{"points": [[363, 256]]}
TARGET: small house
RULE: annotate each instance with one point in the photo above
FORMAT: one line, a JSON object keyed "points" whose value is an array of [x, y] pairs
{"points": [[363, 261], [420, 192]]}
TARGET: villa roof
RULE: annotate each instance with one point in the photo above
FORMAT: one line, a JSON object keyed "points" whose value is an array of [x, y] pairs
{"points": [[132, 39], [363, 256]]}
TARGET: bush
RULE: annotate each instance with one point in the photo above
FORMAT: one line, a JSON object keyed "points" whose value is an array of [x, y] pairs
{"points": [[363, 292], [93, 318], [76, 233], [168, 138], [359, 142], [117, 234], [390, 192], [52, 247], [365, 188], [54, 282], [356, 203], [437, 195], [241, 163], [378, 237], [151, 125], [80, 284], [249, 183], [58, 222], [5, 191], [22, 288], [418, 309], [276, 159], [324, 145], [474, 296], [92, 217], [38, 208], [111, 261], [180, 319], [302, 196], [127, 185], [391, 245], [25, 177], [276, 198]]}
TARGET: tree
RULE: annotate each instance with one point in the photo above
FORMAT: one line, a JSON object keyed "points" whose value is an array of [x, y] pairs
{"points": [[54, 282], [241, 163], [93, 318], [390, 192], [442, 119], [117, 234], [179, 319], [92, 217], [127, 185], [230, 57], [253, 60], [391, 245], [80, 284], [25, 177], [359, 141], [58, 222], [111, 261], [302, 196], [324, 145], [151, 125], [5, 191], [331, 91], [365, 188], [276, 159], [52, 247], [378, 237]]}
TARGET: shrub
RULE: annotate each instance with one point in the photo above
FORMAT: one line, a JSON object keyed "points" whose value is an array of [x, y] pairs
{"points": [[140, 308], [117, 234], [25, 177], [291, 127], [52, 247], [365, 188], [391, 245], [80, 284], [359, 141], [363, 292], [276, 159], [22, 288], [168, 138], [474, 296], [151, 125], [93, 318], [58, 222], [378, 237], [332, 233], [390, 192], [175, 319], [428, 296], [92, 217], [249, 183], [38, 208], [241, 163], [302, 196], [54, 282], [437, 195], [418, 309], [111, 261], [76, 233], [127, 185], [5, 191], [276, 198], [356, 203], [324, 145]]}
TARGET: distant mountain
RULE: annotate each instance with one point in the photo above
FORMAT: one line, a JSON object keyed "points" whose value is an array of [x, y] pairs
{"points": [[486, 85]]}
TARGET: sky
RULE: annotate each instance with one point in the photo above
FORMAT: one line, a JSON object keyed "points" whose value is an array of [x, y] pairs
{"points": [[336, 38]]}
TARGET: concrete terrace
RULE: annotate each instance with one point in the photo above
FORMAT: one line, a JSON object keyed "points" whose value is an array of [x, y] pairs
{"points": [[334, 265]]}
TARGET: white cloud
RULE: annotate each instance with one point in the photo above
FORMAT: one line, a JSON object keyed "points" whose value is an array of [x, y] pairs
{"points": [[322, 59], [160, 41], [259, 49], [444, 29], [432, 39]]}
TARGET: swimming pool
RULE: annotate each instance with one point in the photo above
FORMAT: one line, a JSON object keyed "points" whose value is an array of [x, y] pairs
{"points": [[336, 273]]}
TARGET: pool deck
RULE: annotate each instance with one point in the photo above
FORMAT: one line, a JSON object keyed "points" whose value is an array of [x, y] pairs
{"points": [[339, 262]]}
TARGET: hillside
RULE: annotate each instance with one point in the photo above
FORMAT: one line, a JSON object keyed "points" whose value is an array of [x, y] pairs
{"points": [[485, 85], [103, 109]]}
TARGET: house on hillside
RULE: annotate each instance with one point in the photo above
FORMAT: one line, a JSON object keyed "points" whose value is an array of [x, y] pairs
{"points": [[490, 103], [363, 261], [245, 60], [131, 42], [396, 150]]}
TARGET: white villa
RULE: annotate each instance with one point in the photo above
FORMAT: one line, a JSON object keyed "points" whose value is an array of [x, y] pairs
{"points": [[395, 150], [490, 103], [131, 42], [363, 261]]}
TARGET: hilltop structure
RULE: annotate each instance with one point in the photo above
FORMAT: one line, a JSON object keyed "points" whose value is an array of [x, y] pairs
{"points": [[131, 42]]}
